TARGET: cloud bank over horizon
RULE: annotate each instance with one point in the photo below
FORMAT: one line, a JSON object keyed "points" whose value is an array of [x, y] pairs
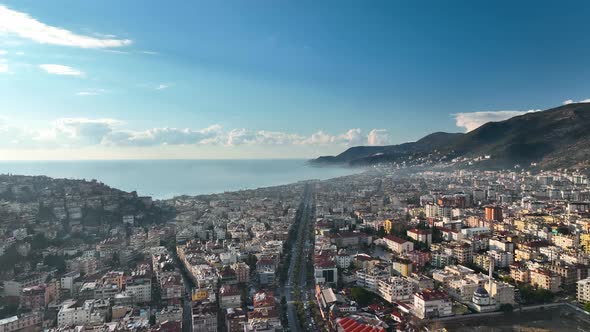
{"points": [[107, 132]]}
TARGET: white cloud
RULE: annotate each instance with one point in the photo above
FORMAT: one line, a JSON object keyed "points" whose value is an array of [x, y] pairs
{"points": [[64, 132], [61, 70], [10, 133], [378, 137], [320, 138], [20, 53], [239, 137], [3, 52], [85, 132], [162, 86], [77, 131], [276, 138], [3, 68], [570, 101], [25, 26], [352, 137], [474, 120], [262, 137], [242, 136], [161, 136]]}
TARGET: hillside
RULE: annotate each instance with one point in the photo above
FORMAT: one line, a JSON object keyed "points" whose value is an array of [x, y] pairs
{"points": [[558, 137]]}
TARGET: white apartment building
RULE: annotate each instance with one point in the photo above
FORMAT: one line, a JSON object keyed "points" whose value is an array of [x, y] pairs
{"points": [[398, 245], [431, 303], [78, 313], [420, 235], [141, 289], [501, 245], [67, 280], [471, 232], [395, 289], [369, 280], [343, 259], [501, 258], [584, 291]]}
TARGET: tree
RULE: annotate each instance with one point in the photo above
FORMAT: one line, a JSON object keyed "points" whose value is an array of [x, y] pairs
{"points": [[535, 295], [9, 259], [39, 241], [251, 261], [422, 225], [57, 262], [587, 306], [437, 236], [116, 259], [381, 232], [362, 296], [507, 279]]}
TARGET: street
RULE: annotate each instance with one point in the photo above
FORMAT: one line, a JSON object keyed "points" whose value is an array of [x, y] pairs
{"points": [[302, 233]]}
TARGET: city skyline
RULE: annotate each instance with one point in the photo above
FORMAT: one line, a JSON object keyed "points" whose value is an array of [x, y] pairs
{"points": [[273, 80]]}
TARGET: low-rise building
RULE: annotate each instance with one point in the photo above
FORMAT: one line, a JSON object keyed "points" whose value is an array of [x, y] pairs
{"points": [[235, 319], [397, 244], [24, 322], [229, 297], [431, 304], [204, 317], [421, 235], [545, 279]]}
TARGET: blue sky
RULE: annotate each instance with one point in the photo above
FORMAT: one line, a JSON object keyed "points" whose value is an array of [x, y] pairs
{"points": [[274, 79]]}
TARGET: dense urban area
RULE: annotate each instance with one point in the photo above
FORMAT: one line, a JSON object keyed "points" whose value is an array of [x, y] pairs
{"points": [[384, 250]]}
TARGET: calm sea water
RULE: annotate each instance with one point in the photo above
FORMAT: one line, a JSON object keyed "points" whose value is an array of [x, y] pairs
{"points": [[169, 178]]}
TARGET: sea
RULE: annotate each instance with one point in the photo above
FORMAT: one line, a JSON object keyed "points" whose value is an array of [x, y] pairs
{"points": [[163, 179]]}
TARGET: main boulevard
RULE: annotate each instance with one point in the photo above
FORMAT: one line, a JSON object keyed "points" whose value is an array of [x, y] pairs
{"points": [[299, 254]]}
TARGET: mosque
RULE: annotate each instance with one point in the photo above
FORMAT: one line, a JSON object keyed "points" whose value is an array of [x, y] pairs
{"points": [[481, 300]]}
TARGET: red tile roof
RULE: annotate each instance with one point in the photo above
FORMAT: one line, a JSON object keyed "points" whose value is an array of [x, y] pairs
{"points": [[431, 295], [396, 239], [350, 325]]}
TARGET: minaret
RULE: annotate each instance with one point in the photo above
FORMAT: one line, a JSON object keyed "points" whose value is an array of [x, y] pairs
{"points": [[491, 270]]}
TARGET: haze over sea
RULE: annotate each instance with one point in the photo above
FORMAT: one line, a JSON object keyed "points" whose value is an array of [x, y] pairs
{"points": [[163, 179]]}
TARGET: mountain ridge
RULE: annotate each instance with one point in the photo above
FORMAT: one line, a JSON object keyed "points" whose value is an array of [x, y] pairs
{"points": [[554, 138]]}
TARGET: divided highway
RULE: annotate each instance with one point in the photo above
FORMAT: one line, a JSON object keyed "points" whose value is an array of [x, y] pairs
{"points": [[299, 257]]}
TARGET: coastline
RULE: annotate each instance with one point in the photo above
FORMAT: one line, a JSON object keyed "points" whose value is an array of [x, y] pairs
{"points": [[165, 179]]}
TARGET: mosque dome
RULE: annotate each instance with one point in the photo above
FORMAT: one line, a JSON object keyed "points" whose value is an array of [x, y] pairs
{"points": [[481, 296], [481, 292]]}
